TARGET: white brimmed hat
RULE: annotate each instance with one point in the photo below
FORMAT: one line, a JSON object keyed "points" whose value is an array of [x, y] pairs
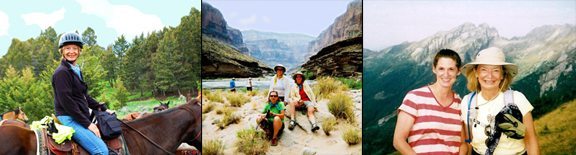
{"points": [[491, 56], [281, 66]]}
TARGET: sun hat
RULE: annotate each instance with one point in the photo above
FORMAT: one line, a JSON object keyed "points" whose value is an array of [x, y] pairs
{"points": [[280, 65], [491, 56], [298, 73]]}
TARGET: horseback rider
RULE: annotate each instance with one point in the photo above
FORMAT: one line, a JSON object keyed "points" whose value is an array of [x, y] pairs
{"points": [[71, 99]]}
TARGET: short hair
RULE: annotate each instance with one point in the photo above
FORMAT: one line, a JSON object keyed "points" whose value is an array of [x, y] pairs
{"points": [[474, 85], [447, 53]]}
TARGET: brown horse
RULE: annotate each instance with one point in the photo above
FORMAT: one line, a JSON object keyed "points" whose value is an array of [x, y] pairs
{"points": [[136, 115], [166, 129], [17, 114]]}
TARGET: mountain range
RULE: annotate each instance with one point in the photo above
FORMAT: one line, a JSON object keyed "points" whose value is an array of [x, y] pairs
{"points": [[545, 57], [277, 48]]}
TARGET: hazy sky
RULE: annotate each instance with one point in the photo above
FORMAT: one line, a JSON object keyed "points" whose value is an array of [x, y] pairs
{"points": [[308, 17], [109, 18], [389, 23]]}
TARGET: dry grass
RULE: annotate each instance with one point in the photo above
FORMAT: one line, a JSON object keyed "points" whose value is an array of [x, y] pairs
{"points": [[342, 107], [328, 124], [228, 118], [237, 99], [212, 147], [254, 92], [326, 86], [352, 135], [555, 129], [207, 107], [250, 141], [215, 96], [264, 92]]}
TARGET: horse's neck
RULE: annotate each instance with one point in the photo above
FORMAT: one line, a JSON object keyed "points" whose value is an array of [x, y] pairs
{"points": [[9, 115], [164, 128]]}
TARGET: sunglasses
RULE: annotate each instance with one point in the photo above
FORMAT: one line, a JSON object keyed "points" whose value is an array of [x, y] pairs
{"points": [[273, 95]]}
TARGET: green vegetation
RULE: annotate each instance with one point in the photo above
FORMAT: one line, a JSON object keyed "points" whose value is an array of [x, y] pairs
{"points": [[160, 63], [557, 129], [342, 107], [251, 141], [352, 83], [212, 147]]}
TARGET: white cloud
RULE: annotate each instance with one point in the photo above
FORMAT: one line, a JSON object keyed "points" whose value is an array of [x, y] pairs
{"points": [[4, 24], [124, 19], [44, 20]]}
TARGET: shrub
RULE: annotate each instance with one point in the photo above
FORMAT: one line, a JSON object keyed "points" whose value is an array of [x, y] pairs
{"points": [[254, 92], [237, 99], [215, 96], [212, 147], [250, 141], [341, 106], [207, 107], [352, 135], [328, 124], [351, 83], [325, 86], [228, 118]]}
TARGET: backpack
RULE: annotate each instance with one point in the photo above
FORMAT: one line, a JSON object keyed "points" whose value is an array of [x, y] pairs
{"points": [[109, 125], [508, 100]]}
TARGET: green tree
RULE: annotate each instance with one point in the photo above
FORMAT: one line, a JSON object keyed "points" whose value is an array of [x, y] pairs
{"points": [[89, 36]]}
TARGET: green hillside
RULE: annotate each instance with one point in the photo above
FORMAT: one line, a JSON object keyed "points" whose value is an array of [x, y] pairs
{"points": [[557, 130]]}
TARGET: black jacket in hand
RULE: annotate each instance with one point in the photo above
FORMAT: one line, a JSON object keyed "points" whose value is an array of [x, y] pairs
{"points": [[71, 95]]}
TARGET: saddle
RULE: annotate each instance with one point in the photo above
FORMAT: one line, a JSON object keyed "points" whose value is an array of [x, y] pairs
{"points": [[47, 145]]}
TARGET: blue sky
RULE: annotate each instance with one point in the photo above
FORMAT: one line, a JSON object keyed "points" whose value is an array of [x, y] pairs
{"points": [[109, 18], [389, 23], [308, 17]]}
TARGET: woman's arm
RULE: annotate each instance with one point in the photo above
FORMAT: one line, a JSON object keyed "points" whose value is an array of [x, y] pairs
{"points": [[530, 140], [403, 126]]}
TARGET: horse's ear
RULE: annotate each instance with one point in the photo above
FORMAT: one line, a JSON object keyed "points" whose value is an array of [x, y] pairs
{"points": [[168, 103], [17, 111]]}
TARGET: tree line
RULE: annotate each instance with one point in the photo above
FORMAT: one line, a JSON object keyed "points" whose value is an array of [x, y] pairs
{"points": [[161, 63]]}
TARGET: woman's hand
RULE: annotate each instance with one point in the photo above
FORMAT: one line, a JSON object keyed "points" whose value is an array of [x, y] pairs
{"points": [[94, 129]]}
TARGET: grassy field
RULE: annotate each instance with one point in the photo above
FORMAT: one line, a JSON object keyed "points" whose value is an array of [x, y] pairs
{"points": [[557, 130], [146, 105]]}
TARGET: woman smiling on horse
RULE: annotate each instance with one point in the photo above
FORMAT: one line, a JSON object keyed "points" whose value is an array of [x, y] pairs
{"points": [[71, 99]]}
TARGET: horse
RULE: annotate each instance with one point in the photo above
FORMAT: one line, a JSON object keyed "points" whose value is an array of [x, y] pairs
{"points": [[136, 115], [158, 133], [16, 114]]}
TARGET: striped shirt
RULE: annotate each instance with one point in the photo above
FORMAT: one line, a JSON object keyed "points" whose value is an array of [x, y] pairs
{"points": [[436, 129]]}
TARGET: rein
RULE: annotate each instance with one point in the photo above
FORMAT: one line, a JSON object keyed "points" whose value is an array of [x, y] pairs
{"points": [[146, 137]]}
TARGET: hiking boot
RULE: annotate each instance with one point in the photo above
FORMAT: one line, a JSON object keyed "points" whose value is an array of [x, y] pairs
{"points": [[274, 141], [315, 127], [292, 124]]}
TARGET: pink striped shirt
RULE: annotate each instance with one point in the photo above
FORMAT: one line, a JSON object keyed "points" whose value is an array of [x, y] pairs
{"points": [[436, 129]]}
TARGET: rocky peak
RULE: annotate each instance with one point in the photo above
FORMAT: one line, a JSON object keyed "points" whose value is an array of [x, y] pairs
{"points": [[215, 26], [346, 26]]}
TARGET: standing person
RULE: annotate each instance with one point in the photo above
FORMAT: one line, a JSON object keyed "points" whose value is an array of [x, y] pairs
{"points": [[302, 98], [429, 117], [496, 119], [71, 99], [249, 88], [280, 83], [233, 85], [272, 118]]}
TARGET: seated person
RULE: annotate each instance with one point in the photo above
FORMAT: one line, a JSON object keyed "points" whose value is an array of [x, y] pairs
{"points": [[302, 98], [271, 119]]}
